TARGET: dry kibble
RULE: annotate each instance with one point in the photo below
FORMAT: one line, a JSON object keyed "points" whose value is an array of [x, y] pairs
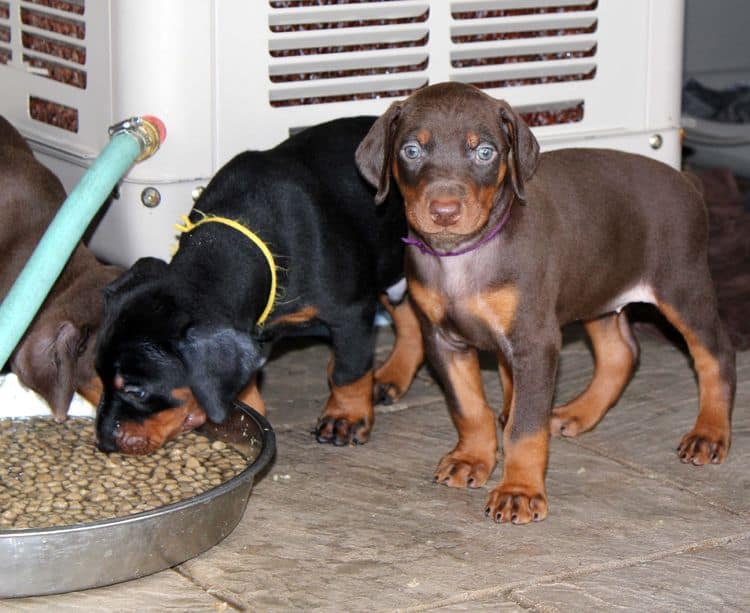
{"points": [[52, 474]]}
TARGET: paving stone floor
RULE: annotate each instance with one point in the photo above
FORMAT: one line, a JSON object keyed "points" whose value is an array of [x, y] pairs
{"points": [[365, 529]]}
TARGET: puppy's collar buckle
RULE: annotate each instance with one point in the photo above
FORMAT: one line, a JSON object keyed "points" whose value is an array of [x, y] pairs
{"points": [[189, 226]]}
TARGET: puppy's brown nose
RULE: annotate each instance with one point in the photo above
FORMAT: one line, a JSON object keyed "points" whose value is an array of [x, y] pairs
{"points": [[445, 212]]}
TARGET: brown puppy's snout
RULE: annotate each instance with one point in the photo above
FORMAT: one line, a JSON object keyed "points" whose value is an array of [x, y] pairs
{"points": [[445, 211], [444, 199]]}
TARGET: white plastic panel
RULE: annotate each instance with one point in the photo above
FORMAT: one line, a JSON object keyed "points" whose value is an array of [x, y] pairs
{"points": [[229, 75], [595, 53]]}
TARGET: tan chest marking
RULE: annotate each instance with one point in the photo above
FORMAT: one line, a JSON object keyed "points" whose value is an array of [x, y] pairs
{"points": [[496, 308], [431, 302]]}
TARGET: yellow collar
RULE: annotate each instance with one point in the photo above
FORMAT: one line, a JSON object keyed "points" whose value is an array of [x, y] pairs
{"points": [[189, 226]]}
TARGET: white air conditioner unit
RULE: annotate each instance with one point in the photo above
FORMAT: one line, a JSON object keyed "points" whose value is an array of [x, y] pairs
{"points": [[230, 75]]}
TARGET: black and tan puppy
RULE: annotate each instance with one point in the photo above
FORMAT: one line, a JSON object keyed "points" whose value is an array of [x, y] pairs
{"points": [[508, 245], [182, 340], [56, 355]]}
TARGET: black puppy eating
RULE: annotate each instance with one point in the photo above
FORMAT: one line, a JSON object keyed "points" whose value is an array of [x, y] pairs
{"points": [[182, 340]]}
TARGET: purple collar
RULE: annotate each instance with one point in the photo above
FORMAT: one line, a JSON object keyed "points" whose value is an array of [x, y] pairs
{"points": [[495, 231]]}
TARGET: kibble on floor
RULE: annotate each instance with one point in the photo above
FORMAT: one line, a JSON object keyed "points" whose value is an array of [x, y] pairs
{"points": [[51, 474]]}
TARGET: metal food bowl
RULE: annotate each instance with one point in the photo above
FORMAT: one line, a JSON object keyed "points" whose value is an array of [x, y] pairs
{"points": [[42, 561]]}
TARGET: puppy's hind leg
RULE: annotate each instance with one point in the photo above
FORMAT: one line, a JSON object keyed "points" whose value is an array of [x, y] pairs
{"points": [[615, 355], [697, 319], [394, 376], [348, 415]]}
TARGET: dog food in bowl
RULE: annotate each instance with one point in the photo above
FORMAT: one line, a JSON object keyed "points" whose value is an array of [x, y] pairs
{"points": [[51, 474]]}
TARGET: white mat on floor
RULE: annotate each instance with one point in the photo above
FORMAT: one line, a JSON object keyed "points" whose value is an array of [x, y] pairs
{"points": [[17, 400]]}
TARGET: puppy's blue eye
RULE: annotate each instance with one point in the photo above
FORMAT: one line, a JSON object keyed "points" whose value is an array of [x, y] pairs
{"points": [[485, 153], [411, 151]]}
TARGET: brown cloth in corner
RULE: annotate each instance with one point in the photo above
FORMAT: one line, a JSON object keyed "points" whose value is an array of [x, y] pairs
{"points": [[729, 252], [728, 258]]}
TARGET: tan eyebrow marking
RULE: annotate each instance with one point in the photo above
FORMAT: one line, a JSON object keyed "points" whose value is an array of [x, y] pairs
{"points": [[424, 136]]}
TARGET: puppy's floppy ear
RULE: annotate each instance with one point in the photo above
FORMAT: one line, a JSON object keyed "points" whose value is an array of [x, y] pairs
{"points": [[46, 362], [523, 152], [375, 152], [143, 269], [220, 362]]}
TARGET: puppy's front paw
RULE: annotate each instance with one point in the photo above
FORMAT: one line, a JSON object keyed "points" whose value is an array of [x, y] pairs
{"points": [[699, 448], [463, 469], [340, 432], [517, 504]]}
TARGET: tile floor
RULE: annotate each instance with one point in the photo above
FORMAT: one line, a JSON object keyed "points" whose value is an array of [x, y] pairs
{"points": [[365, 529]]}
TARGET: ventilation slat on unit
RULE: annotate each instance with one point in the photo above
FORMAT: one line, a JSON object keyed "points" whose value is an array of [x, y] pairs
{"points": [[527, 71], [53, 113], [5, 36], [349, 50], [53, 21], [52, 40], [517, 7], [304, 68], [550, 113], [54, 47], [52, 35], [507, 43], [76, 7], [504, 28], [511, 52], [336, 90], [327, 41], [345, 15]]}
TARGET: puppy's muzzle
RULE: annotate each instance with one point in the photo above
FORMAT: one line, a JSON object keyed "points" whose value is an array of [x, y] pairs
{"points": [[106, 428], [445, 211], [141, 437], [107, 443]]}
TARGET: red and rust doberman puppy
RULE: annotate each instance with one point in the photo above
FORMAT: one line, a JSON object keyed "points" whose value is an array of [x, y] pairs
{"points": [[56, 355], [508, 245]]}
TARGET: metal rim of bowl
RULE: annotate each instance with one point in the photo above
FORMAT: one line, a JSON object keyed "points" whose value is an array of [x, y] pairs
{"points": [[267, 452]]}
